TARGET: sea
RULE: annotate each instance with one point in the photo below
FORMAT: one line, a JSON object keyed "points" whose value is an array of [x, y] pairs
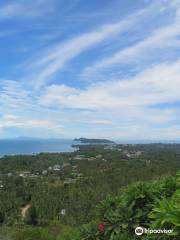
{"points": [[35, 146]]}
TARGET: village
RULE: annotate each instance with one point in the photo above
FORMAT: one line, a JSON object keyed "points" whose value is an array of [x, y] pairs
{"points": [[69, 171]]}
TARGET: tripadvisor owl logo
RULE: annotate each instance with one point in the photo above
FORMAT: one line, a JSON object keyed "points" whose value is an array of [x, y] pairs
{"points": [[139, 231]]}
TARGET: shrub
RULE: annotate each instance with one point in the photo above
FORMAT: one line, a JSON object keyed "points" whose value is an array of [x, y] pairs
{"points": [[154, 205]]}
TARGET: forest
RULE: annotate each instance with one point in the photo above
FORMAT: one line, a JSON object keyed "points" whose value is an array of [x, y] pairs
{"points": [[97, 192]]}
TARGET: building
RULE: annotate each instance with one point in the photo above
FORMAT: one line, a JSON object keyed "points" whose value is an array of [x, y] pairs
{"points": [[56, 168], [24, 174]]}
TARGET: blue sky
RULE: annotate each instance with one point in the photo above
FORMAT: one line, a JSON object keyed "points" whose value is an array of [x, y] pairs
{"points": [[101, 68]]}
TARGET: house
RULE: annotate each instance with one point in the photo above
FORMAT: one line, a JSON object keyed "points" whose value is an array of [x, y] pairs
{"points": [[74, 167], [9, 174], [80, 175], [110, 147], [63, 212], [65, 165], [91, 159], [1, 185], [24, 174], [79, 157], [148, 162], [119, 149], [33, 175], [44, 172], [56, 168], [138, 153], [128, 155]]}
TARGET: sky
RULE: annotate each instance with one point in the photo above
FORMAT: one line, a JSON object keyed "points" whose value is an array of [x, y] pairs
{"points": [[99, 69]]}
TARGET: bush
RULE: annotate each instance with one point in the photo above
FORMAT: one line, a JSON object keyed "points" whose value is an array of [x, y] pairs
{"points": [[32, 234], [69, 233], [154, 205]]}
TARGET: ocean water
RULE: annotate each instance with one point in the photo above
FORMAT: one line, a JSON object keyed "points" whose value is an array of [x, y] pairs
{"points": [[31, 146]]}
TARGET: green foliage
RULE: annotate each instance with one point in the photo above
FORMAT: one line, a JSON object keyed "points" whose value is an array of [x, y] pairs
{"points": [[131, 199], [154, 205], [31, 216], [68, 233], [166, 212], [32, 234]]}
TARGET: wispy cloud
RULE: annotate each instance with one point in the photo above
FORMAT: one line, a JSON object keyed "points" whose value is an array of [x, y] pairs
{"points": [[47, 64], [22, 8], [165, 37], [19, 110], [153, 86], [128, 106], [28, 124], [142, 105]]}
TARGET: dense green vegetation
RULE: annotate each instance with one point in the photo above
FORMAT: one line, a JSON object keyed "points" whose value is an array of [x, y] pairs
{"points": [[96, 192], [152, 205]]}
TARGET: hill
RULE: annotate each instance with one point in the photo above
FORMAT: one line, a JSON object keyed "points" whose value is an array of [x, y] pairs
{"points": [[94, 141], [96, 192]]}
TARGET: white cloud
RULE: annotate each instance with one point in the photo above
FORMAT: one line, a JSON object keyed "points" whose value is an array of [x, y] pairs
{"points": [[145, 132], [26, 124], [112, 109], [9, 117], [47, 64], [23, 8], [160, 39], [11, 121], [153, 86], [14, 95], [125, 108], [117, 108]]}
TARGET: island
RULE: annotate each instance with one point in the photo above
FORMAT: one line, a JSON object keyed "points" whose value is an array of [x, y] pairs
{"points": [[93, 141]]}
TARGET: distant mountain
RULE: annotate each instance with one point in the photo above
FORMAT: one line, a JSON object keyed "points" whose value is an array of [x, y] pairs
{"points": [[94, 141], [26, 138]]}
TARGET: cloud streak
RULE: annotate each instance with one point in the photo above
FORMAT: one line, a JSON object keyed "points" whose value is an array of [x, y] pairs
{"points": [[166, 37], [22, 8], [47, 64], [153, 86], [44, 97]]}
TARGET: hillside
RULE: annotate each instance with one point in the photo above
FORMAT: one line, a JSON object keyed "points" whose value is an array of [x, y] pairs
{"points": [[71, 194], [153, 206], [93, 141]]}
